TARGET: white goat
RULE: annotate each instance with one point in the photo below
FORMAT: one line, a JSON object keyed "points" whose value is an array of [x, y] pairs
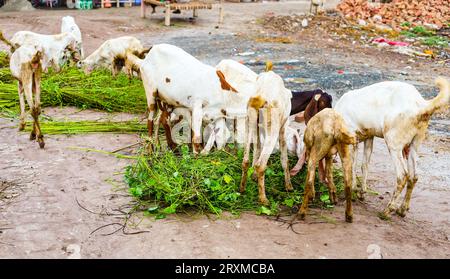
{"points": [[26, 66], [396, 112], [68, 25], [112, 54], [273, 100], [58, 48], [180, 80], [243, 79]]}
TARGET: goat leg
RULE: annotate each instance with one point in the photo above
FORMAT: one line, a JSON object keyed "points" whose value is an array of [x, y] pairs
{"points": [[329, 176], [309, 188], [299, 164]]}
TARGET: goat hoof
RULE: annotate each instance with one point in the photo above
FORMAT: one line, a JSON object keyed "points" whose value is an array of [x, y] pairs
{"points": [[385, 215], [21, 126], [302, 215], [32, 136], [401, 212], [264, 201], [348, 218], [254, 176], [41, 143]]}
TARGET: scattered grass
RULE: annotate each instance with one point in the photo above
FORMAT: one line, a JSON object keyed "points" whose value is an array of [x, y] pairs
{"points": [[167, 182], [425, 36], [435, 41], [85, 127]]}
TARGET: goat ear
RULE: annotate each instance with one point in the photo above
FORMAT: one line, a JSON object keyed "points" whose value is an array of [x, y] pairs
{"points": [[223, 83], [269, 65], [146, 50], [311, 109]]}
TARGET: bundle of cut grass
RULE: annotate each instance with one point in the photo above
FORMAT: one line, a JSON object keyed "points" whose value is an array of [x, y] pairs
{"points": [[71, 87], [167, 183], [84, 127], [99, 90]]}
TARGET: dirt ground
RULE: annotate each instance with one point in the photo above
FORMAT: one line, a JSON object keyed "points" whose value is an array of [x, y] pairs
{"points": [[43, 192]]}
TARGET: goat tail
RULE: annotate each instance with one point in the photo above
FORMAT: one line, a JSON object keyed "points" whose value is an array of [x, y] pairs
{"points": [[342, 135], [7, 42], [441, 100]]}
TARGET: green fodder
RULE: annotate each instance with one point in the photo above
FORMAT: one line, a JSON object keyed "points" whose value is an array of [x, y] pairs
{"points": [[165, 182], [4, 59], [71, 87], [5, 76], [99, 90], [84, 127]]}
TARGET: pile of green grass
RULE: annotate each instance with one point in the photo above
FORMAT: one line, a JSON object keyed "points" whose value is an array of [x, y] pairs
{"points": [[166, 182], [71, 87]]}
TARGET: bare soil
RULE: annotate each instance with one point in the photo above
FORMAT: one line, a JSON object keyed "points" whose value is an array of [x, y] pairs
{"points": [[45, 194]]}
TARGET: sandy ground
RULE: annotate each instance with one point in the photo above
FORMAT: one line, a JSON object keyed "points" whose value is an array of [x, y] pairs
{"points": [[41, 218]]}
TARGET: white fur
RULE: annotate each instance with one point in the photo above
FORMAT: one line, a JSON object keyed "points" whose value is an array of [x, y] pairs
{"points": [[273, 102], [110, 49], [183, 81], [396, 112], [68, 25], [54, 46]]}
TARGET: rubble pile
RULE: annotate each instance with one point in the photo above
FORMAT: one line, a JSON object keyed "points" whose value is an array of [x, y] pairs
{"points": [[420, 12], [289, 23]]}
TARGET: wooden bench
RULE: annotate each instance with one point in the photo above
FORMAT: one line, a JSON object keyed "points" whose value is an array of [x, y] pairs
{"points": [[117, 2], [169, 6]]}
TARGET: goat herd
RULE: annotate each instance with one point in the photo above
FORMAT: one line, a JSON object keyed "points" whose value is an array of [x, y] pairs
{"points": [[174, 79]]}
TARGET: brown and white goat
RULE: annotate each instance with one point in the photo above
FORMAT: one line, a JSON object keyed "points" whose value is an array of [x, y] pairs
{"points": [[273, 101], [60, 48], [325, 135], [180, 80], [26, 67], [397, 112], [310, 102]]}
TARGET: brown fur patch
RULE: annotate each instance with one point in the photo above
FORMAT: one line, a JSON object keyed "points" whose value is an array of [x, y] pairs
{"points": [[143, 53], [224, 112], [223, 83], [256, 102], [167, 79]]}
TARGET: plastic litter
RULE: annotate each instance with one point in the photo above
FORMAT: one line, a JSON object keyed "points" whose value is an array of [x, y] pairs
{"points": [[389, 42]]}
